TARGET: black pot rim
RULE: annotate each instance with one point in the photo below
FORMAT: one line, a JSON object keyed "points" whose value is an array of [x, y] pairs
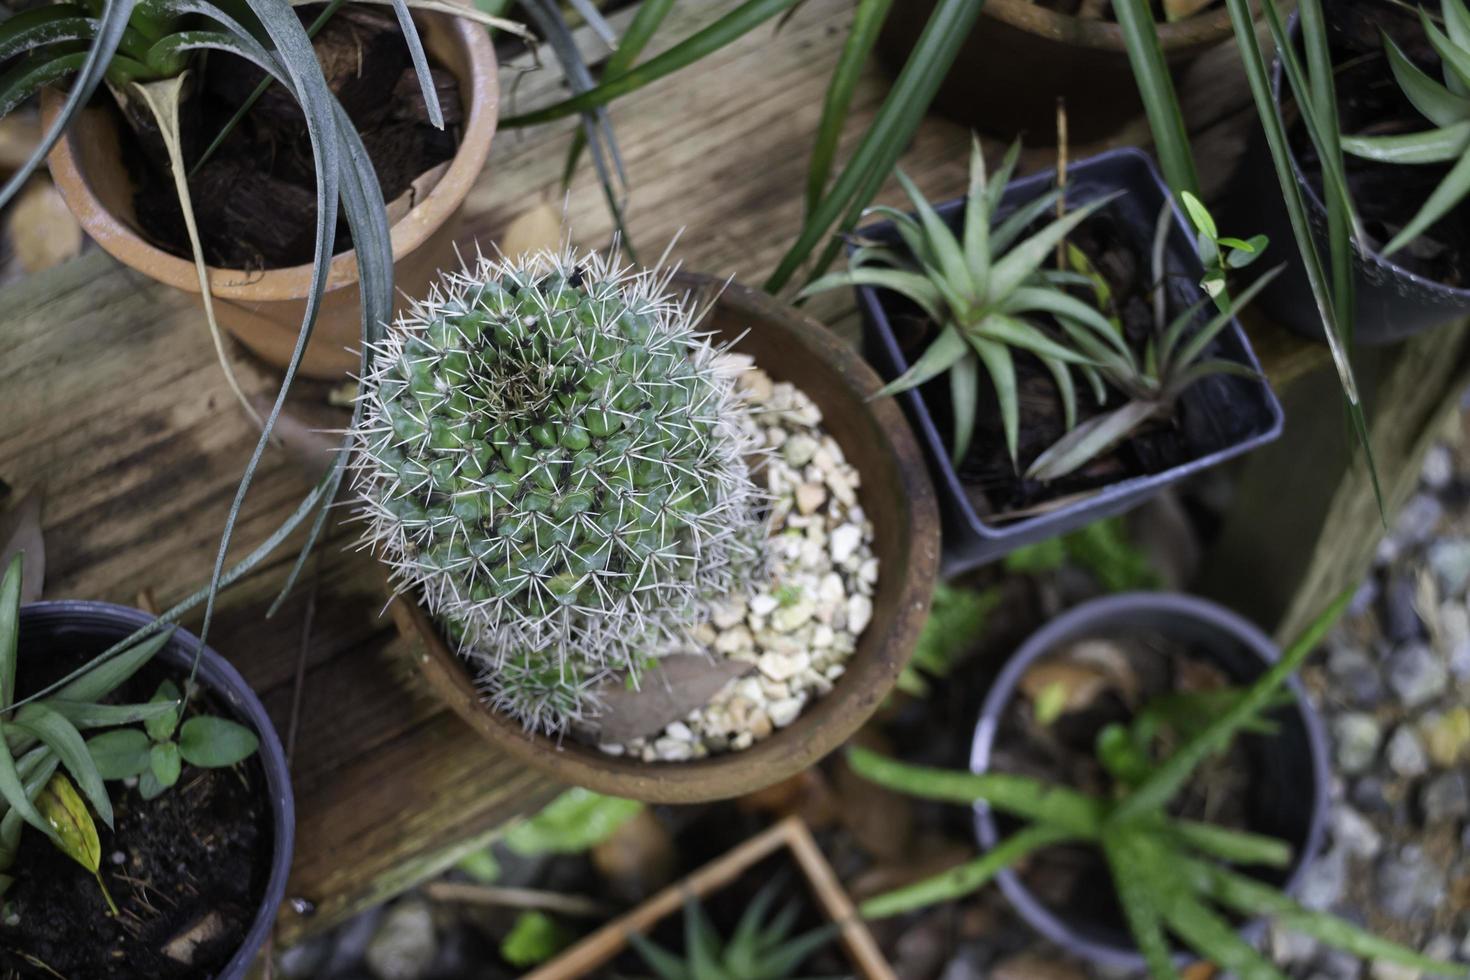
{"points": [[1091, 617], [1361, 249], [220, 676]]}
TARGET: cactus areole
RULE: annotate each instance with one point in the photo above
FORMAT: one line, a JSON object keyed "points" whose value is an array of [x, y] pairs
{"points": [[551, 460]]}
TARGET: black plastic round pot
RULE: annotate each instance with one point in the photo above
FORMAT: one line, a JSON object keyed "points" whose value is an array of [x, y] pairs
{"points": [[1393, 303], [94, 626], [1289, 799]]}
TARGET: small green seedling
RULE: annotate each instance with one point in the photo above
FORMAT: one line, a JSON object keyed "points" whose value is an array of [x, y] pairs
{"points": [[156, 757], [759, 949], [1220, 256]]}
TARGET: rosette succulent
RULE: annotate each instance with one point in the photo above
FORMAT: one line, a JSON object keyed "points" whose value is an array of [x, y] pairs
{"points": [[553, 460]]}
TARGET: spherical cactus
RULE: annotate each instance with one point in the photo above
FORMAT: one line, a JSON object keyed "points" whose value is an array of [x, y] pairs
{"points": [[553, 461]]}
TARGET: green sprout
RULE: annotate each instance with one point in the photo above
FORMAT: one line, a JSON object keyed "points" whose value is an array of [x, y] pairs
{"points": [[1446, 105], [156, 753], [759, 949], [1172, 875], [1220, 256]]}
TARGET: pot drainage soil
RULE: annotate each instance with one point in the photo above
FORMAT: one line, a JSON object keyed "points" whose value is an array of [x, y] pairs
{"points": [[255, 197], [188, 871]]}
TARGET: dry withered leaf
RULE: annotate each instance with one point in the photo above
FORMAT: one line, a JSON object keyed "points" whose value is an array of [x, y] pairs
{"points": [[674, 687], [532, 230], [20, 530], [42, 228], [1077, 675]]}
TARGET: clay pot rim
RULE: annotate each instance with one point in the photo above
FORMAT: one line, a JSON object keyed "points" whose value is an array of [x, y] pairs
{"points": [[1199, 30], [120, 241], [856, 695]]}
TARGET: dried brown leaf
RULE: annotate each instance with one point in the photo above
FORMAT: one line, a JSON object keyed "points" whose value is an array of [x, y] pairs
{"points": [[667, 692]]}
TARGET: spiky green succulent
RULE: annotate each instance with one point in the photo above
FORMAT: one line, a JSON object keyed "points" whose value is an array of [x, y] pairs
{"points": [[552, 460], [1445, 105], [760, 948]]}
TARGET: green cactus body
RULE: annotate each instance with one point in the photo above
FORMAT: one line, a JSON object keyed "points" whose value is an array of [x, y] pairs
{"points": [[551, 459]]}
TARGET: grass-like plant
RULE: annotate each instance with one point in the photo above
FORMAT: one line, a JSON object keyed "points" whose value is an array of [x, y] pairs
{"points": [[1330, 277], [760, 948], [1171, 875], [982, 293], [1444, 104]]}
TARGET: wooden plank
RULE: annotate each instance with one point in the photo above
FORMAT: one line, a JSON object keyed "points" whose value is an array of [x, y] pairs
{"points": [[1305, 524], [117, 410]]}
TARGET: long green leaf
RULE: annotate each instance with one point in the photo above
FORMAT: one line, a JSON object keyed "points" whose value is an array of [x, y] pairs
{"points": [[1435, 102], [1129, 855], [937, 358], [996, 357], [84, 715], [1433, 146], [964, 396], [1446, 197], [943, 245], [1015, 332], [16, 792], [10, 627], [62, 738], [1336, 323], [911, 285], [977, 218], [1062, 375], [881, 145], [1201, 338], [51, 24], [420, 61], [1021, 261], [965, 879], [96, 682], [1251, 897], [1004, 235], [94, 64], [727, 29], [867, 21], [1235, 846], [1089, 440], [1211, 936], [1171, 776], [1056, 806], [33, 74], [1156, 89]]}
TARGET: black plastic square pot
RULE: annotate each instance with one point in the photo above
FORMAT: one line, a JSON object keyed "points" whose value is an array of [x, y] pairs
{"points": [[1231, 414]]}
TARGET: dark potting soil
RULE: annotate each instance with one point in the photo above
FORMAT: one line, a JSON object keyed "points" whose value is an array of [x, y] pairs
{"points": [[1370, 103], [187, 870], [1225, 790], [255, 198], [992, 484]]}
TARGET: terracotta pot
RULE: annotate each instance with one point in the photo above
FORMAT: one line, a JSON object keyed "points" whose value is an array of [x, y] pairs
{"points": [[895, 493], [594, 954], [263, 310], [1021, 57]]}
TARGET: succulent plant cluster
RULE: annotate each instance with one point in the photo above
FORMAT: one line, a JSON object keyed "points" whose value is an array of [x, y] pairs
{"points": [[551, 459]]}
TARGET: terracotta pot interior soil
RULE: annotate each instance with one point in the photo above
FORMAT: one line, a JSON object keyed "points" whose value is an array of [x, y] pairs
{"points": [[194, 868], [255, 197], [1234, 790], [1370, 103], [1118, 250]]}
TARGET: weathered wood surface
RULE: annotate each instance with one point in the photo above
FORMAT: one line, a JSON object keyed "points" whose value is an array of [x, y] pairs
{"points": [[115, 409]]}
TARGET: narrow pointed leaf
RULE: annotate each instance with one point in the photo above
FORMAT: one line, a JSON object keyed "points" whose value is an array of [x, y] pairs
{"points": [[1431, 146], [1139, 899], [1019, 221], [965, 879], [997, 360], [1435, 102], [1089, 440], [946, 349], [1021, 261], [946, 250], [1202, 337], [10, 627], [90, 715], [1015, 332], [964, 390], [13, 789], [1450, 192], [1062, 375], [57, 734], [99, 681], [977, 220], [1209, 934], [867, 21]]}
